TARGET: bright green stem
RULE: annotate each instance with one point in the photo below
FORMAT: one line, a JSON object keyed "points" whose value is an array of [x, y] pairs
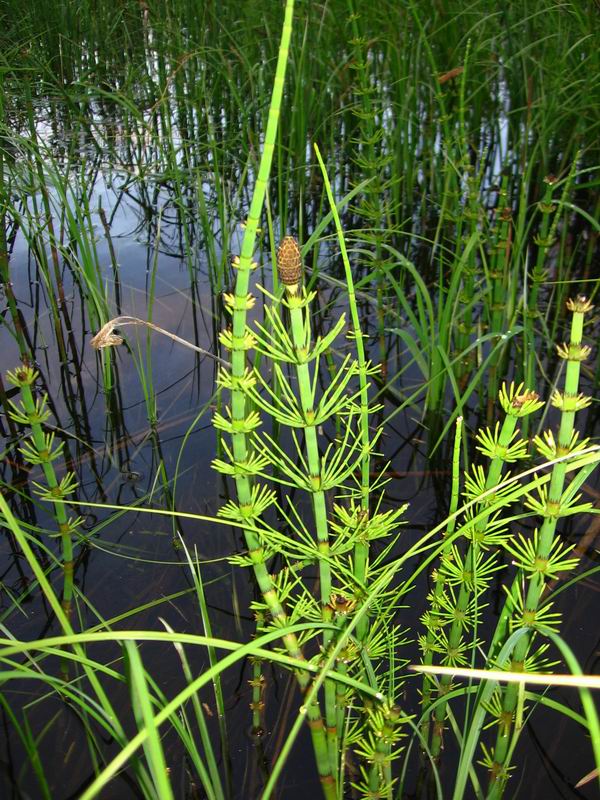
{"points": [[300, 324], [301, 338], [58, 509], [569, 404], [499, 279], [361, 549], [462, 605], [240, 343], [440, 580]]}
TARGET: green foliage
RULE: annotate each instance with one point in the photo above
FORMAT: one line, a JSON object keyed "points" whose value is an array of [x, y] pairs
{"points": [[439, 166]]}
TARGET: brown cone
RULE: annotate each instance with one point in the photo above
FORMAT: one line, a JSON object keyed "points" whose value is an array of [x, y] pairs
{"points": [[289, 261]]}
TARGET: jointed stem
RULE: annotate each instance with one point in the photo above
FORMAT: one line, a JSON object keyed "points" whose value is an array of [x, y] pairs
{"points": [[300, 324], [239, 342], [40, 450], [361, 548], [569, 402], [502, 448], [440, 581]]}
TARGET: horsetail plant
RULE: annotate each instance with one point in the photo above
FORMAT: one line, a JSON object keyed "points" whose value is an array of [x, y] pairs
{"points": [[431, 618], [499, 280], [467, 576], [39, 449], [546, 236], [296, 408], [363, 492], [289, 264], [300, 410], [545, 239], [542, 557], [162, 118], [363, 522], [373, 159], [239, 422]]}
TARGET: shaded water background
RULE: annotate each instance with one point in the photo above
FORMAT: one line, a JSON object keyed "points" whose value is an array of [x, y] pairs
{"points": [[173, 180]]}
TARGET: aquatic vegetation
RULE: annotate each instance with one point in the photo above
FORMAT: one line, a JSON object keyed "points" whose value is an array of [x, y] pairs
{"points": [[368, 226], [544, 557], [39, 449]]}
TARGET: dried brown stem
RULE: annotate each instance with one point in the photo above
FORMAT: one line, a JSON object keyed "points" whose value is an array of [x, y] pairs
{"points": [[107, 338]]}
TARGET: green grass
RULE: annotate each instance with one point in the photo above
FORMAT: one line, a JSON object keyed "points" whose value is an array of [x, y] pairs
{"points": [[438, 164]]}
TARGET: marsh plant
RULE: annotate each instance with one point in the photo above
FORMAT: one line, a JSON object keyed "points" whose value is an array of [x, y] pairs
{"points": [[435, 170], [344, 531], [40, 449], [360, 636]]}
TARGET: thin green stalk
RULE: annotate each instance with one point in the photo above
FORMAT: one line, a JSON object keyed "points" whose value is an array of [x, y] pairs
{"points": [[298, 303], [502, 446], [40, 450], [142, 704], [194, 565], [432, 622], [241, 424], [551, 505], [361, 549]]}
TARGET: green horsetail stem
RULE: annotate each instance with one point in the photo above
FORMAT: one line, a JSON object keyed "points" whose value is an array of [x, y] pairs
{"points": [[499, 277], [239, 341], [502, 446], [40, 450], [361, 548], [469, 215], [431, 620], [372, 158], [545, 240], [289, 265], [546, 237], [551, 505], [539, 275]]}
